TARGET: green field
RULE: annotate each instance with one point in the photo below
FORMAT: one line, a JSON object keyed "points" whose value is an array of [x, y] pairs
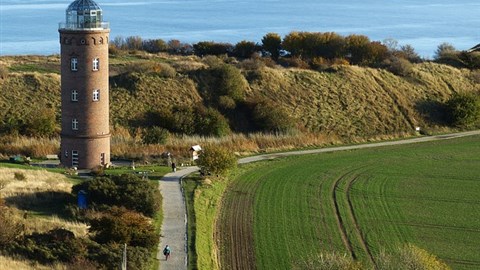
{"points": [[278, 214]]}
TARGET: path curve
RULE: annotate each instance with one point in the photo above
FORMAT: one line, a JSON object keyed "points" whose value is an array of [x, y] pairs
{"points": [[174, 229]]}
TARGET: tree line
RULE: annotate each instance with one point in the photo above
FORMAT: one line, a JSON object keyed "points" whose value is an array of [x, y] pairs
{"points": [[311, 47]]}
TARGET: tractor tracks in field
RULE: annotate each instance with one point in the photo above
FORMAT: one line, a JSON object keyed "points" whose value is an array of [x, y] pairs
{"points": [[349, 179], [351, 213], [236, 226]]}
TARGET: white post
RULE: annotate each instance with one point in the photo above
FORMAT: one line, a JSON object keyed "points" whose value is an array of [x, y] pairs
{"points": [[124, 259]]}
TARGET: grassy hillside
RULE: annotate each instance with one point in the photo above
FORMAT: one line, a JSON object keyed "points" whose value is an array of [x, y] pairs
{"points": [[345, 103]]}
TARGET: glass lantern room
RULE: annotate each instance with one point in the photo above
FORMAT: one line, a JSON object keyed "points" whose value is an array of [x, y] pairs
{"points": [[84, 14]]}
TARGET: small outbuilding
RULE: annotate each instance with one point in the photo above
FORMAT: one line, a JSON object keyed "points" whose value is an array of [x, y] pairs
{"points": [[195, 151]]}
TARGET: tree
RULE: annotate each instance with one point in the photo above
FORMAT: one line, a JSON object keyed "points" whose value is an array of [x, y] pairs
{"points": [[391, 44], [41, 123], [212, 48], [272, 43], [444, 50], [212, 122], [409, 53], [217, 160], [134, 43], [229, 81], [270, 117], [364, 52], [155, 135], [154, 45], [245, 49], [464, 109], [293, 42]]}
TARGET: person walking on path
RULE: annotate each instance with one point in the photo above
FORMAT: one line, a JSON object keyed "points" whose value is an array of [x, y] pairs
{"points": [[174, 167], [166, 252]]}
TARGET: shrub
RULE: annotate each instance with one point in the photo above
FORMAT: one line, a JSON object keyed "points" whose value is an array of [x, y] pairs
{"points": [[19, 176], [229, 82], [41, 123], [10, 227], [470, 60], [125, 190], [331, 261], [255, 63], [155, 135], [464, 109], [212, 61], [3, 72], [475, 76], [166, 71], [120, 226], [211, 122], [53, 246], [271, 117], [294, 62], [409, 257], [139, 258], [106, 256], [217, 160], [399, 66], [226, 103]]}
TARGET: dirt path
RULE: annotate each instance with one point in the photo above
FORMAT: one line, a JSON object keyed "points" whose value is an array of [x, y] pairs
{"points": [[174, 223]]}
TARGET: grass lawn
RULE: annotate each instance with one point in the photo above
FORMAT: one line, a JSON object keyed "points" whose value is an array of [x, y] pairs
{"points": [[358, 203]]}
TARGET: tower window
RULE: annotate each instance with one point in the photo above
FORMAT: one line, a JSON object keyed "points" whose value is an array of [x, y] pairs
{"points": [[74, 64], [74, 95], [74, 124], [96, 95], [96, 64]]}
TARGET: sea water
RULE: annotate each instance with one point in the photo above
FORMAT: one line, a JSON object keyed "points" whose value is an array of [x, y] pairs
{"points": [[31, 26]]}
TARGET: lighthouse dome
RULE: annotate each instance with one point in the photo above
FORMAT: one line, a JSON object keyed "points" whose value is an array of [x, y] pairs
{"points": [[84, 14]]}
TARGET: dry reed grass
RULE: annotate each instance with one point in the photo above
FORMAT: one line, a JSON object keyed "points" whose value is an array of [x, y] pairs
{"points": [[35, 181], [28, 146], [8, 263], [23, 193], [41, 225]]}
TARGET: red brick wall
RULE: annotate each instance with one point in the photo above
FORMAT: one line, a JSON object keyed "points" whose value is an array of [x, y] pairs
{"points": [[93, 135]]}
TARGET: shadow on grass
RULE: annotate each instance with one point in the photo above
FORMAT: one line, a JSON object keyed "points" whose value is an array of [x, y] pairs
{"points": [[433, 111], [45, 203]]}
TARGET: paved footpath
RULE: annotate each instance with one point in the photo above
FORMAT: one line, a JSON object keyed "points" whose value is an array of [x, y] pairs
{"points": [[174, 228]]}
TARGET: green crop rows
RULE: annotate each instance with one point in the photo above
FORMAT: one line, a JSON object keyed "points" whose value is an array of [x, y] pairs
{"points": [[361, 202]]}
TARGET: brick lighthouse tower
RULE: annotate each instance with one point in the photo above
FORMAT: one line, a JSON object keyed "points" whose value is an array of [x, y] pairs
{"points": [[85, 135]]}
